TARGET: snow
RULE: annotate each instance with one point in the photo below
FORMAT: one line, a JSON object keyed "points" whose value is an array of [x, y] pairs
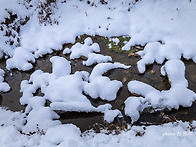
{"points": [[115, 40], [64, 135], [100, 20], [58, 63], [87, 50], [39, 116], [168, 21], [177, 133], [150, 93], [4, 87], [102, 86], [13, 6], [166, 29], [9, 118], [11, 133], [177, 95], [111, 114], [20, 60], [132, 105], [79, 50], [154, 51], [96, 58], [176, 73], [65, 92]]}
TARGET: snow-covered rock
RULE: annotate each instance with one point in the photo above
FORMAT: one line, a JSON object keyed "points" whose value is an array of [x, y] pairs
{"points": [[101, 86], [4, 87], [177, 95]]}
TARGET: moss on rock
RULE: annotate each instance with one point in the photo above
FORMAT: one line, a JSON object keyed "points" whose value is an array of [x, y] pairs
{"points": [[120, 42]]}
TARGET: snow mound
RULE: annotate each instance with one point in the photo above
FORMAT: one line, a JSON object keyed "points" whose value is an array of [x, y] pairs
{"points": [[87, 50], [132, 107], [177, 95], [111, 114], [115, 40], [20, 61], [167, 28], [39, 116], [4, 87], [69, 135], [104, 20], [96, 58], [156, 52], [10, 118], [166, 21], [79, 50], [101, 86], [64, 91], [57, 64], [62, 135]]}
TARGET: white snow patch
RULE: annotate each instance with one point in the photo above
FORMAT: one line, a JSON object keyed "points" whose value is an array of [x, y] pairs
{"points": [[65, 92], [156, 52], [166, 21], [87, 50], [111, 114], [62, 135], [69, 135], [20, 60], [58, 63], [39, 116], [171, 22], [79, 50], [144, 25], [132, 109], [177, 95], [4, 87], [115, 40], [102, 86], [8, 118], [96, 58]]}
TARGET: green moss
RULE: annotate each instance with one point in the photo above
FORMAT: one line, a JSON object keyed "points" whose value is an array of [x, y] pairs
{"points": [[109, 43], [118, 47], [105, 39], [124, 38]]}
